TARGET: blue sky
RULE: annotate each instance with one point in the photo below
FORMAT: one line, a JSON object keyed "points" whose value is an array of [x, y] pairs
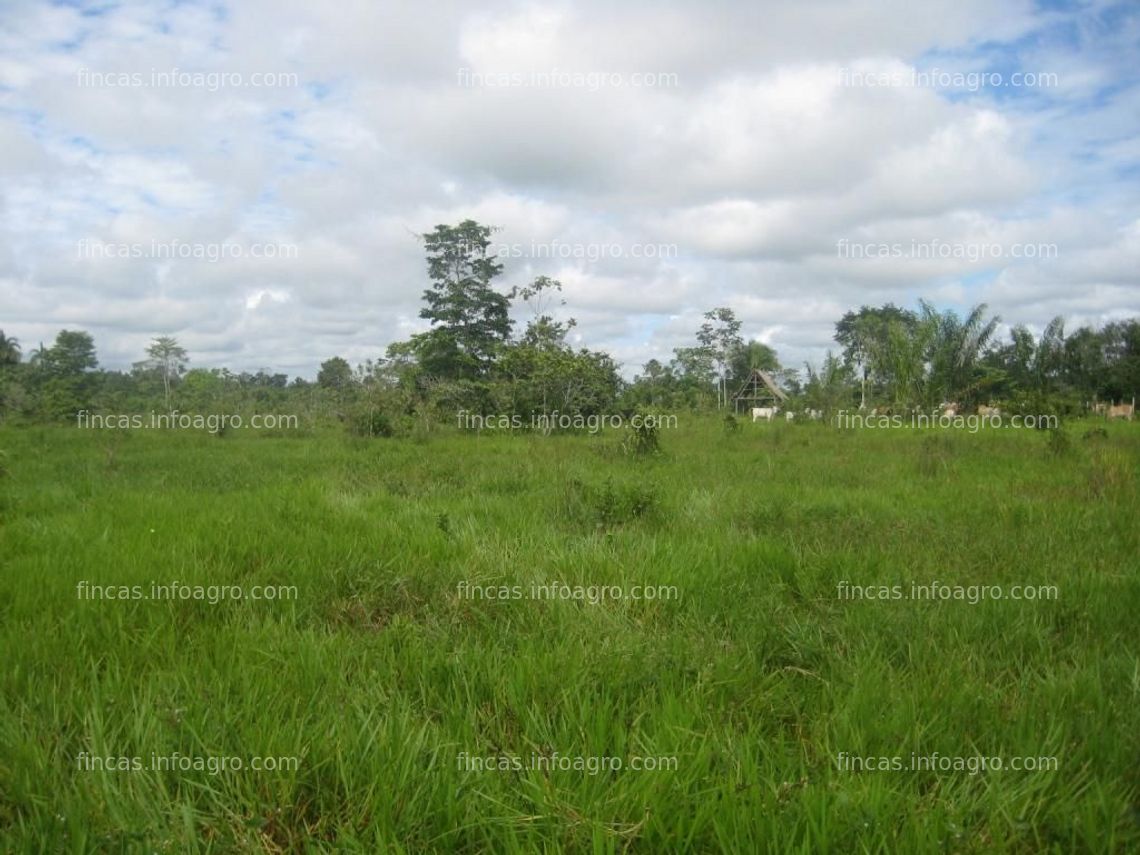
{"points": [[250, 177]]}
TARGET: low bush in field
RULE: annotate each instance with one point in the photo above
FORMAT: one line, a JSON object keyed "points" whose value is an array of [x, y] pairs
{"points": [[363, 420], [608, 505]]}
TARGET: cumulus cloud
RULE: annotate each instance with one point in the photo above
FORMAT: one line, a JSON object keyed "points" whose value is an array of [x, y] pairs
{"points": [[658, 158]]}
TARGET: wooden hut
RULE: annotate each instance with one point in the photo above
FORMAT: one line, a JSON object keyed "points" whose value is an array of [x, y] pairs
{"points": [[758, 390]]}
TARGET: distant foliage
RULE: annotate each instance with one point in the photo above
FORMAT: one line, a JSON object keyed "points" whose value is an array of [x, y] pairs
{"points": [[470, 362]]}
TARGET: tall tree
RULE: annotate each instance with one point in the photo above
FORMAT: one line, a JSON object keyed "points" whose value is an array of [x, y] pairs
{"points": [[719, 336], [469, 318], [902, 359], [864, 336], [1085, 365], [956, 349], [1049, 364], [169, 359], [1122, 353]]}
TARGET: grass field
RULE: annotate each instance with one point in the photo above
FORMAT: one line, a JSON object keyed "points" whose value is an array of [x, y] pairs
{"points": [[750, 686]]}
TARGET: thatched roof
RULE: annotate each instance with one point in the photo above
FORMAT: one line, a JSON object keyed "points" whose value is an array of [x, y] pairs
{"points": [[750, 389]]}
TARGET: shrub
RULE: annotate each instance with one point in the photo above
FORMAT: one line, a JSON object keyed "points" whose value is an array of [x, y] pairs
{"points": [[1058, 443], [1109, 473], [642, 440], [609, 505], [369, 420], [1041, 404], [934, 455]]}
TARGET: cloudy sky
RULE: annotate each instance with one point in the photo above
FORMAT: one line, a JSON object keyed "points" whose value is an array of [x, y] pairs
{"points": [[250, 177]]}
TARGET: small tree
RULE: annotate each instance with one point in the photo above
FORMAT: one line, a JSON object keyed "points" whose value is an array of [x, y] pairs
{"points": [[72, 354], [543, 331], [335, 373], [169, 359]]}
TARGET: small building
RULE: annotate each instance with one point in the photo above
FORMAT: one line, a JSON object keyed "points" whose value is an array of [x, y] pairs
{"points": [[758, 390]]}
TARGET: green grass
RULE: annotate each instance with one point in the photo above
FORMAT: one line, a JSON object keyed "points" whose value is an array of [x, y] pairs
{"points": [[378, 674]]}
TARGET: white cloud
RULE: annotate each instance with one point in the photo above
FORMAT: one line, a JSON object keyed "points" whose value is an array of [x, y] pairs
{"points": [[754, 160]]}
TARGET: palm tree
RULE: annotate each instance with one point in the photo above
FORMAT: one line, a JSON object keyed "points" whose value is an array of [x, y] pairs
{"points": [[957, 348], [9, 350]]}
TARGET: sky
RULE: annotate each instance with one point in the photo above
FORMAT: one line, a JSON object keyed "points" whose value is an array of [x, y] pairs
{"points": [[251, 177]]}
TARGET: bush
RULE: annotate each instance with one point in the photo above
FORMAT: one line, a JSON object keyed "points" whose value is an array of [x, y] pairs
{"points": [[934, 455], [609, 505], [642, 439], [366, 420], [1040, 404], [1058, 444], [1109, 473]]}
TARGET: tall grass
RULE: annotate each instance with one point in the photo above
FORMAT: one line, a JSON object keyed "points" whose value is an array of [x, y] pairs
{"points": [[379, 673]]}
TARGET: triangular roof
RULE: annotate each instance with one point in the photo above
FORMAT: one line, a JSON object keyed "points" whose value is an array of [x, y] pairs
{"points": [[758, 374]]}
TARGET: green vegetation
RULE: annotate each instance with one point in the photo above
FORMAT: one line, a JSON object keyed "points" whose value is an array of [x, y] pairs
{"points": [[407, 513], [470, 362], [379, 673]]}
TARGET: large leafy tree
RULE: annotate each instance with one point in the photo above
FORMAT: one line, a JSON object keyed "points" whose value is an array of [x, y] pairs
{"points": [[1017, 359], [1122, 353], [63, 374], [865, 336], [1085, 364], [469, 318], [72, 354], [335, 373]]}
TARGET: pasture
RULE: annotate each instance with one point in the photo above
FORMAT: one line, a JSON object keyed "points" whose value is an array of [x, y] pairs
{"points": [[383, 676]]}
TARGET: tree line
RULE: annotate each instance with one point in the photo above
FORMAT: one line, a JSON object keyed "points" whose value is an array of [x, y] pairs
{"points": [[471, 360]]}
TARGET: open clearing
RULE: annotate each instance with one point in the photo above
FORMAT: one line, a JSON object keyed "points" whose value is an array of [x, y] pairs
{"points": [[384, 675]]}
